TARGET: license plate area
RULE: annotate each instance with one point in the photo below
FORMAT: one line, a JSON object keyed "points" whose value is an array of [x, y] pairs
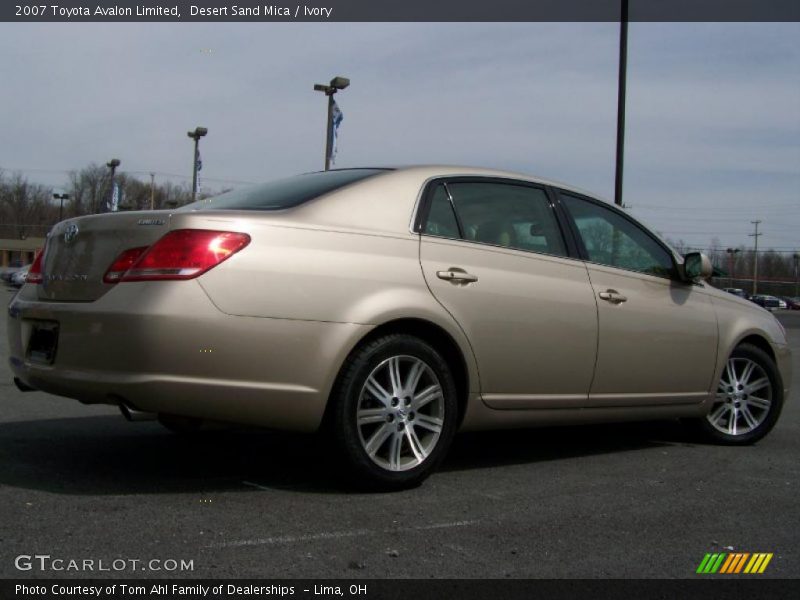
{"points": [[43, 342]]}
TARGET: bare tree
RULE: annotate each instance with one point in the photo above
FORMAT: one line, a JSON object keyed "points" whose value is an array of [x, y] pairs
{"points": [[88, 189], [25, 207]]}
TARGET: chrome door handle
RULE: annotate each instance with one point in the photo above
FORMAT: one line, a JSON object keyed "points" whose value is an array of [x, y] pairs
{"points": [[456, 275], [613, 296]]}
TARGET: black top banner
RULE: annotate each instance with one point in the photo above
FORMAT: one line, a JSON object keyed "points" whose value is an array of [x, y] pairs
{"points": [[398, 10]]}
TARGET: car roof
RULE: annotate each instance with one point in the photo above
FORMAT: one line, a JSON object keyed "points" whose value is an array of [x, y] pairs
{"points": [[444, 170], [385, 201]]}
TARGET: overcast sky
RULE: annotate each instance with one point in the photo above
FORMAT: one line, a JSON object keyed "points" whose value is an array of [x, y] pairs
{"points": [[713, 137]]}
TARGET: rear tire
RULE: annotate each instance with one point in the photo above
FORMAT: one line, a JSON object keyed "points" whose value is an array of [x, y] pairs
{"points": [[395, 412], [748, 399]]}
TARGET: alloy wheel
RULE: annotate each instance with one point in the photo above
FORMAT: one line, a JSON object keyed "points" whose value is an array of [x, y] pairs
{"points": [[400, 413], [744, 398]]}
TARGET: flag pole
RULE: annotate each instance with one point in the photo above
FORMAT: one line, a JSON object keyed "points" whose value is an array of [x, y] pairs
{"points": [[329, 139], [336, 84]]}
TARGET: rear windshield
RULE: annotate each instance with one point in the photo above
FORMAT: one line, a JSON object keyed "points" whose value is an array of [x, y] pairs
{"points": [[284, 193]]}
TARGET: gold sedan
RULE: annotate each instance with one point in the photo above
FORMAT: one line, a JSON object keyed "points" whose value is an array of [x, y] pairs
{"points": [[393, 307]]}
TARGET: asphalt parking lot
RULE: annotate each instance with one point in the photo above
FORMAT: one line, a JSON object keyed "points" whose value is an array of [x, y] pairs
{"points": [[623, 501]]}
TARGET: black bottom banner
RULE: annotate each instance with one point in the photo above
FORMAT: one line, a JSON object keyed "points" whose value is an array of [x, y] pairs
{"points": [[711, 588]]}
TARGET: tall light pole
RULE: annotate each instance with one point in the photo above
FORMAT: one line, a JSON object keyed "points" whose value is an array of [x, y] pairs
{"points": [[196, 135], [755, 256], [621, 85], [112, 164], [336, 84], [731, 256], [61, 197], [796, 258]]}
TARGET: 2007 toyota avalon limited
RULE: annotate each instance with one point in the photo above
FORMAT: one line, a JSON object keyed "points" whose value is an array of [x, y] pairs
{"points": [[392, 307]]}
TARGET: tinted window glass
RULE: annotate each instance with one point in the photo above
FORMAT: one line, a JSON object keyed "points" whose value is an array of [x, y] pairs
{"points": [[285, 193], [509, 215], [441, 220], [611, 239]]}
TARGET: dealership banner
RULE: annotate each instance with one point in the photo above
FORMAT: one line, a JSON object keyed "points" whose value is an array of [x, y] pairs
{"points": [[405, 10], [400, 589]]}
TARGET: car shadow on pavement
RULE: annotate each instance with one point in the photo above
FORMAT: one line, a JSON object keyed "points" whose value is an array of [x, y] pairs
{"points": [[105, 455], [520, 446]]}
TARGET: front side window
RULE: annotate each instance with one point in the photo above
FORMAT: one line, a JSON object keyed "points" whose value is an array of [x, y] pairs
{"points": [[500, 214], [611, 239]]}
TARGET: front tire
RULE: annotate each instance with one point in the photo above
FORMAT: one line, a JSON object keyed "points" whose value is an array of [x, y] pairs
{"points": [[748, 400], [395, 412]]}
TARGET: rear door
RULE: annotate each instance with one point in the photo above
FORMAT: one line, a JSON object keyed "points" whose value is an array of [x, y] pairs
{"points": [[493, 254], [657, 333]]}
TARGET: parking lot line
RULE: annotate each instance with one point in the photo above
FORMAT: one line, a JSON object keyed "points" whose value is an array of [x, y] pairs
{"points": [[332, 535]]}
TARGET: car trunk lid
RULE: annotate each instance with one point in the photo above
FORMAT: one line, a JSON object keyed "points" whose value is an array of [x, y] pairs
{"points": [[80, 251]]}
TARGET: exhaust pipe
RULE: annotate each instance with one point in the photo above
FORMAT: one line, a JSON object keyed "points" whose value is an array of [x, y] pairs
{"points": [[22, 387], [132, 414]]}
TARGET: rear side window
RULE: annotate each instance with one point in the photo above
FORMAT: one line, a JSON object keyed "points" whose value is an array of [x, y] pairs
{"points": [[502, 214], [285, 193], [441, 219]]}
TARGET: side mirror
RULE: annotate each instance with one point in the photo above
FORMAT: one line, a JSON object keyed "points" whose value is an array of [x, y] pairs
{"points": [[697, 266]]}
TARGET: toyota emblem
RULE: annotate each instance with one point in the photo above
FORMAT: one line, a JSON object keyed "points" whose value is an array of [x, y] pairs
{"points": [[71, 233]]}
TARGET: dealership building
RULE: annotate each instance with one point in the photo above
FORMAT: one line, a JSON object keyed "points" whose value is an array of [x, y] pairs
{"points": [[19, 252]]}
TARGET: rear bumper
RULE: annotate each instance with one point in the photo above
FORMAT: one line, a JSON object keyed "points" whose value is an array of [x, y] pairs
{"points": [[164, 347]]}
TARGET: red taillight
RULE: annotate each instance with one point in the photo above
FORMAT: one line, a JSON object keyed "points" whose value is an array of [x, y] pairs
{"points": [[180, 254], [35, 272], [124, 262]]}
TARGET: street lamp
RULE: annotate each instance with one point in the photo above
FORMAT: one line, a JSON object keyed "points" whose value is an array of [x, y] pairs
{"points": [[796, 258], [61, 197], [336, 84], [112, 164], [731, 255], [196, 135]]}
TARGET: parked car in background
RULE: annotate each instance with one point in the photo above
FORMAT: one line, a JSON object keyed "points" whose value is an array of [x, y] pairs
{"points": [[18, 277], [791, 303], [6, 273], [736, 292], [766, 301], [391, 308]]}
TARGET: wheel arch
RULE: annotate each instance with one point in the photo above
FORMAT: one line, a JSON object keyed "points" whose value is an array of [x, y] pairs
{"points": [[759, 341], [435, 335], [782, 369]]}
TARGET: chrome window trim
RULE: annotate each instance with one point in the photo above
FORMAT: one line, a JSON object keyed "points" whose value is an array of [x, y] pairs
{"points": [[511, 181], [423, 188]]}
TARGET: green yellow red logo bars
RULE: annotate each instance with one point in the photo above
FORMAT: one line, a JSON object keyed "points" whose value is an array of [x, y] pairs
{"points": [[734, 563]]}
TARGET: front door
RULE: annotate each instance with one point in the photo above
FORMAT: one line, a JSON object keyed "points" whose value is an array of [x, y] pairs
{"points": [[657, 334]]}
